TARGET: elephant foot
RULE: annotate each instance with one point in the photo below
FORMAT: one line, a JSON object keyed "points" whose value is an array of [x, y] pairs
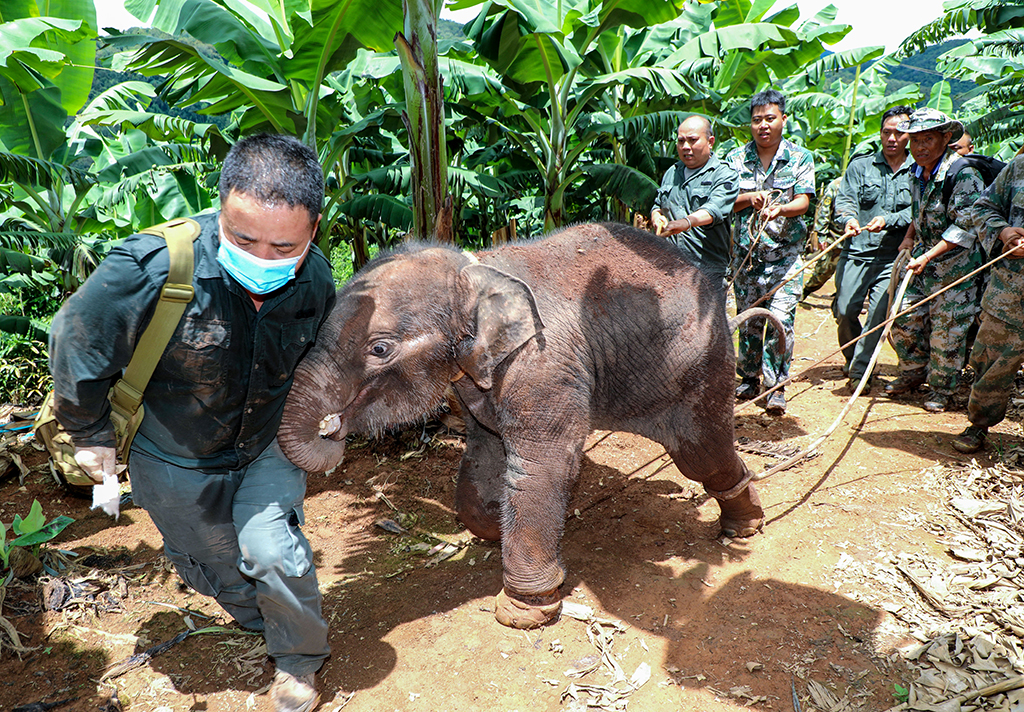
{"points": [[483, 520], [742, 515], [524, 612]]}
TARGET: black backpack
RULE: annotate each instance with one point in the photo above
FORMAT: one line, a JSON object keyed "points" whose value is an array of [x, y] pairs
{"points": [[988, 166]]}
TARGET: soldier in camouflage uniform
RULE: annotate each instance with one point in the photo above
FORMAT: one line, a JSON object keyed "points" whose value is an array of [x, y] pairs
{"points": [[776, 179], [999, 349], [825, 230], [931, 341]]}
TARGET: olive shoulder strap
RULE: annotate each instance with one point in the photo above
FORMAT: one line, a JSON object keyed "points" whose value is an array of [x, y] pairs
{"points": [[177, 292]]}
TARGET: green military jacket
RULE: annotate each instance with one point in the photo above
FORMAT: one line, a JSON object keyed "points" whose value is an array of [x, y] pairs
{"points": [[714, 188], [871, 189], [826, 225], [999, 207], [790, 173], [954, 222]]}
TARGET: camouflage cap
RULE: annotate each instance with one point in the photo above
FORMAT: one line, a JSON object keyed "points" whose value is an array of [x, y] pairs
{"points": [[931, 120]]}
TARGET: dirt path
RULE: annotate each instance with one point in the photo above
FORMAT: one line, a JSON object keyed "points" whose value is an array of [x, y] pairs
{"points": [[720, 624]]}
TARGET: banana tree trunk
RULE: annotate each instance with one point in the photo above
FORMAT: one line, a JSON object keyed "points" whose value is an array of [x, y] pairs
{"points": [[424, 120]]}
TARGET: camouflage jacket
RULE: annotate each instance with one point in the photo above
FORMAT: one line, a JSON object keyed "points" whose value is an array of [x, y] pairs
{"points": [[934, 221], [871, 189], [826, 225], [791, 172], [714, 188], [217, 395], [1001, 206]]}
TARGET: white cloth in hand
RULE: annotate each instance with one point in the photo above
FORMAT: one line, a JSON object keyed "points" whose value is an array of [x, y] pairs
{"points": [[107, 496], [100, 463]]}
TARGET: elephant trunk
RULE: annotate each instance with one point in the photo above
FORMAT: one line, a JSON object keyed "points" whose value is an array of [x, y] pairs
{"points": [[312, 435]]}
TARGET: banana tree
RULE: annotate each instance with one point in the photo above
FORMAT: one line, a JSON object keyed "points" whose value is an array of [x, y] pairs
{"points": [[994, 113], [539, 48]]}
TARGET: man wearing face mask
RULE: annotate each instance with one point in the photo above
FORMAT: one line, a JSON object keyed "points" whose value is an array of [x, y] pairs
{"points": [[205, 463]]}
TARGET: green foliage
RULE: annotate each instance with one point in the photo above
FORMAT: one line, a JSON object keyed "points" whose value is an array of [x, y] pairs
{"points": [[32, 531], [901, 693]]}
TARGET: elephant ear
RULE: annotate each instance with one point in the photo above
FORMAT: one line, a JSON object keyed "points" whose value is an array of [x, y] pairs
{"points": [[506, 318]]}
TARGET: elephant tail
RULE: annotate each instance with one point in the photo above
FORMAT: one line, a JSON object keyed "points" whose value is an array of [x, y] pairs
{"points": [[758, 312]]}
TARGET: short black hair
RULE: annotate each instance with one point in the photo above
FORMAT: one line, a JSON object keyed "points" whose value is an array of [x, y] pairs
{"points": [[895, 111], [275, 169], [766, 97]]}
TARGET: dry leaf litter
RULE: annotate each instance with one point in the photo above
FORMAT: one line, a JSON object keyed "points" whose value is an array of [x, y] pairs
{"points": [[966, 609]]}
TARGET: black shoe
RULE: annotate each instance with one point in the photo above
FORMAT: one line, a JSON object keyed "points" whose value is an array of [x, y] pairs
{"points": [[748, 390], [905, 383], [970, 440], [776, 403]]}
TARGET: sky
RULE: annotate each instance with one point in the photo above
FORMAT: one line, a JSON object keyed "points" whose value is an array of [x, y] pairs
{"points": [[875, 22]]}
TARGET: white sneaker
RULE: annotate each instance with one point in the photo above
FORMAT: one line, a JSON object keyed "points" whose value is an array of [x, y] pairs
{"points": [[294, 694]]}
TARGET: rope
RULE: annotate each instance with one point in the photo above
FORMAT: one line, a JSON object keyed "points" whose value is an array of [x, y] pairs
{"points": [[796, 274], [812, 448], [774, 198], [872, 330]]}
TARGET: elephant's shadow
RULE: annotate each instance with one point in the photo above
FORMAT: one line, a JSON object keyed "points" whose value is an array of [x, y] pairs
{"points": [[643, 543]]}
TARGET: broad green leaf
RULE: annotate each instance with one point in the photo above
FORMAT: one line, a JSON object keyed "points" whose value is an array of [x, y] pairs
{"points": [[75, 78], [44, 533], [379, 208], [32, 523], [740, 37], [24, 326], [940, 97], [236, 40], [31, 124]]}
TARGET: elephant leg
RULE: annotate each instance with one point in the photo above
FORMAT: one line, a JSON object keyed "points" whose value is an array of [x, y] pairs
{"points": [[726, 478], [742, 515], [539, 478], [481, 486]]}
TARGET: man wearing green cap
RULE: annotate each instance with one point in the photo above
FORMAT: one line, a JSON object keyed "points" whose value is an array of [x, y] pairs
{"points": [[999, 348], [931, 340]]}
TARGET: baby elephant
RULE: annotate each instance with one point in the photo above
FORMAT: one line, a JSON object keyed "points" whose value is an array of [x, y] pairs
{"points": [[598, 326]]}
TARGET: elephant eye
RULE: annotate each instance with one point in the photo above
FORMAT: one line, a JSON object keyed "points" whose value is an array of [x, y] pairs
{"points": [[380, 349]]}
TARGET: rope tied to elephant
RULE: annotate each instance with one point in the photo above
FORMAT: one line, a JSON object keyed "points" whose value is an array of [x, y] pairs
{"points": [[898, 265]]}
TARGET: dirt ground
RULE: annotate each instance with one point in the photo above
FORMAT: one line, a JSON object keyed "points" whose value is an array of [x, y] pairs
{"points": [[722, 624]]}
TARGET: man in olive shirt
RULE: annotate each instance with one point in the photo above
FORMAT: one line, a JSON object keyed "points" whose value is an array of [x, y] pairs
{"points": [[695, 200], [874, 205]]}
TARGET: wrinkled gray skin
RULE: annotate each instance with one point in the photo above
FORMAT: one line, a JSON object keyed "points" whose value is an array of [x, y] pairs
{"points": [[595, 327]]}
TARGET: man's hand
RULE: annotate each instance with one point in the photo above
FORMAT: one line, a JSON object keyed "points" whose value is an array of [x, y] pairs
{"points": [[906, 244], [1013, 241], [659, 221], [917, 264], [97, 461], [758, 199], [852, 228], [677, 226], [876, 224], [771, 212]]}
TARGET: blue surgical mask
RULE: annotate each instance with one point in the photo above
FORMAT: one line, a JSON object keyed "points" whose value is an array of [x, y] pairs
{"points": [[257, 275]]}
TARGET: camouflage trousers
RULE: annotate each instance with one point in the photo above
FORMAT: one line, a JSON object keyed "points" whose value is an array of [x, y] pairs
{"points": [[820, 272], [997, 354], [933, 337], [757, 355]]}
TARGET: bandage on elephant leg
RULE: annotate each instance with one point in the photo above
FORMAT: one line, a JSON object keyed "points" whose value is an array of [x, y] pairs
{"points": [[742, 515], [524, 612]]}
